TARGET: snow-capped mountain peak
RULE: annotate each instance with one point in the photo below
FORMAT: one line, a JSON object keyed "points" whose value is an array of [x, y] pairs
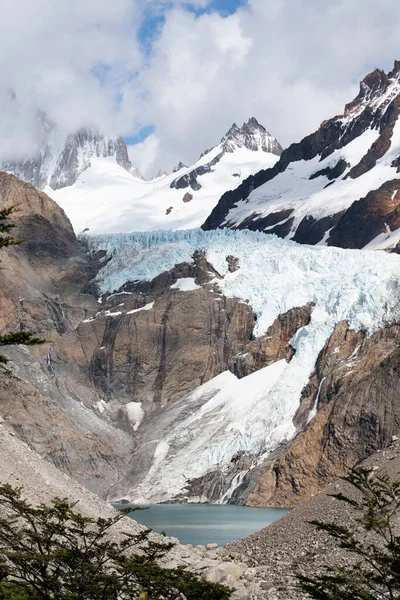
{"points": [[90, 175], [59, 161], [253, 136], [108, 196], [377, 89], [79, 149]]}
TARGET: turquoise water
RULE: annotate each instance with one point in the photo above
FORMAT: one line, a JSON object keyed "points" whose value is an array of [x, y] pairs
{"points": [[206, 523]]}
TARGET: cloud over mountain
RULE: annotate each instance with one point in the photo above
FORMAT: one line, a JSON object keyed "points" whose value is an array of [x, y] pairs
{"points": [[184, 68]]}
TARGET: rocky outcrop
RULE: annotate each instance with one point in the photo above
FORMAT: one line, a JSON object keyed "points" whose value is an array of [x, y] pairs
{"points": [[190, 179], [291, 545], [181, 340], [378, 212], [179, 166], [274, 345], [350, 408]]}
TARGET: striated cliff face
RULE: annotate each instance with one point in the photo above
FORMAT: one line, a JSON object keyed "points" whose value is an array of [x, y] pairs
{"points": [[45, 394], [157, 342]]}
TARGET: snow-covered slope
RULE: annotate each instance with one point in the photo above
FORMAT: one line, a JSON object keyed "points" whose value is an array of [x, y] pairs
{"points": [[226, 416], [339, 186], [107, 198]]}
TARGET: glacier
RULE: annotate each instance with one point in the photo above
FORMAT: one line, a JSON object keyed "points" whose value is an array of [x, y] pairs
{"points": [[207, 428]]}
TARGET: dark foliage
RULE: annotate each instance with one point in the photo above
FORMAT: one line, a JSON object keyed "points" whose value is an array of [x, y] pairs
{"points": [[54, 553]]}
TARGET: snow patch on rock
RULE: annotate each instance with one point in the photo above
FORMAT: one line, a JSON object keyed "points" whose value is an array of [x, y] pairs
{"points": [[185, 284], [135, 414]]}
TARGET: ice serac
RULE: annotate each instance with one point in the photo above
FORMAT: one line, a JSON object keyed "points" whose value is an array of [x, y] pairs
{"points": [[333, 183]]}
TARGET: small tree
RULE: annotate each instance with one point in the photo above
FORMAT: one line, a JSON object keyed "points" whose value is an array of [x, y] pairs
{"points": [[19, 337], [51, 552], [374, 544]]}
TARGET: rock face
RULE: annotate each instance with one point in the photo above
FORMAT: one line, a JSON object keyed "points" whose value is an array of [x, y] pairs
{"points": [[141, 355], [162, 353], [278, 552], [377, 213], [152, 343], [77, 152], [330, 206], [59, 164], [350, 408]]}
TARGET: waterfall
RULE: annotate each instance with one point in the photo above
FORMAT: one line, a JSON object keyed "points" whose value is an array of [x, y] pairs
{"points": [[314, 409], [235, 483]]}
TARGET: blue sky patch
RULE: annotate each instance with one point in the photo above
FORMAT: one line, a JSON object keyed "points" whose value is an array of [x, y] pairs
{"points": [[154, 22], [139, 137]]}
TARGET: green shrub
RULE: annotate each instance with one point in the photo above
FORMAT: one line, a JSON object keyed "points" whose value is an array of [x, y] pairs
{"points": [[52, 552]]}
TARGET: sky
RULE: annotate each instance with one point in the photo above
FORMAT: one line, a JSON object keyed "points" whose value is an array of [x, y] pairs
{"points": [[171, 76]]}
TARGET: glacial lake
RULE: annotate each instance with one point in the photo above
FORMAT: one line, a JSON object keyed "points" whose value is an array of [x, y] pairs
{"points": [[206, 523]]}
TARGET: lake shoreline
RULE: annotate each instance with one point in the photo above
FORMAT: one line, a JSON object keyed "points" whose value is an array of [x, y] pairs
{"points": [[203, 524]]}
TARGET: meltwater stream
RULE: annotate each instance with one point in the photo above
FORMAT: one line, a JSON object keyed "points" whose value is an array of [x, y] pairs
{"points": [[206, 523]]}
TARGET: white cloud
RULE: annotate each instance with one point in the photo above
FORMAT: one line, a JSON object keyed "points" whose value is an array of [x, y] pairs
{"points": [[290, 64], [145, 155]]}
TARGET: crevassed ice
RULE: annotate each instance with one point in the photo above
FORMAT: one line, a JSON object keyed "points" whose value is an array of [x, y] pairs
{"points": [[274, 276], [253, 414]]}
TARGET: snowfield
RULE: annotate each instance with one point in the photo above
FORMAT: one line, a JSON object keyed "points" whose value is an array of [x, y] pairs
{"points": [[108, 199], [254, 414]]}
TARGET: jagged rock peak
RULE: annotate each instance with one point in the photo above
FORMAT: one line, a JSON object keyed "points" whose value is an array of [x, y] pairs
{"points": [[179, 166], [253, 136], [136, 173], [79, 148], [377, 89], [60, 160]]}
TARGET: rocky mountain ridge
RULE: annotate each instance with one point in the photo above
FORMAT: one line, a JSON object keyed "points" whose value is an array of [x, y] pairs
{"points": [[338, 186]]}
